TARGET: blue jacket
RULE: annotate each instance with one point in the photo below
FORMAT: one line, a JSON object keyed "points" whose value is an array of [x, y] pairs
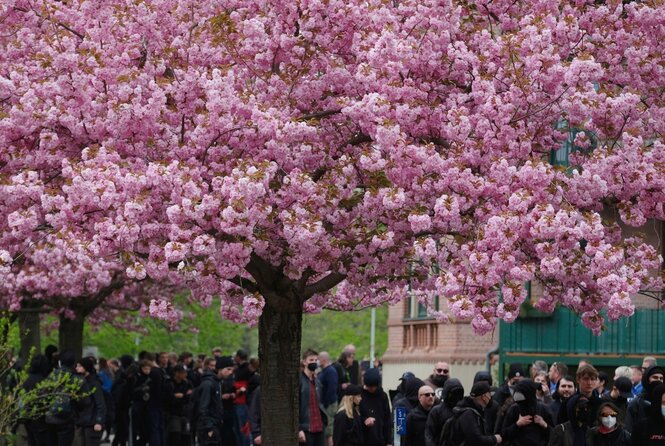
{"points": [[329, 383]]}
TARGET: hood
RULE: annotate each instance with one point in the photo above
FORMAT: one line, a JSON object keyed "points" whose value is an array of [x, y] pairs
{"points": [[452, 392], [573, 405], [650, 371], [39, 365], [527, 388], [411, 390], [483, 376]]}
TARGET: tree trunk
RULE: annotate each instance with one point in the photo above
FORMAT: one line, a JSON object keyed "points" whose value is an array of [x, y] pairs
{"points": [[70, 335], [29, 332], [279, 355]]}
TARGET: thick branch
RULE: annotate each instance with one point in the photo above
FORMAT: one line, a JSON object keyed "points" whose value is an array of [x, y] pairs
{"points": [[325, 284], [320, 114]]}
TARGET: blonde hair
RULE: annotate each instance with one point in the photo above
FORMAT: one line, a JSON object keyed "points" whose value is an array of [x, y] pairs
{"points": [[347, 406]]}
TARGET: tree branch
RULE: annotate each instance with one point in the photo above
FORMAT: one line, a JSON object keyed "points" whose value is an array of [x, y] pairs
{"points": [[319, 115], [325, 284], [245, 284]]}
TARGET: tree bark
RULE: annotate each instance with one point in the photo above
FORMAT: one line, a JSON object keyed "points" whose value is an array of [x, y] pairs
{"points": [[29, 332], [280, 332], [70, 335]]}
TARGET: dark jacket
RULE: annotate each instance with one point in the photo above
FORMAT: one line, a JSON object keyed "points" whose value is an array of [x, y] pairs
{"points": [[470, 425], [209, 404], [254, 413], [564, 434], [303, 420], [178, 406], [415, 427], [377, 406], [618, 437], [638, 408], [450, 395], [531, 434], [410, 399], [329, 385], [91, 408], [650, 431], [347, 431]]}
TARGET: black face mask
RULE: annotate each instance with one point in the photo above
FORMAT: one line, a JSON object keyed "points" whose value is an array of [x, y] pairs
{"points": [[527, 407], [439, 380], [312, 366]]}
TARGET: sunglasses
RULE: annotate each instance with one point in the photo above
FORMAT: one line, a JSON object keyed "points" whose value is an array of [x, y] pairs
{"points": [[427, 394], [613, 414], [441, 370]]}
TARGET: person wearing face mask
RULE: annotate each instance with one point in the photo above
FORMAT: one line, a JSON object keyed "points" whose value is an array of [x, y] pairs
{"points": [[638, 407], [609, 431], [650, 431], [438, 378], [469, 424], [580, 419], [348, 423], [621, 392], [452, 393], [312, 416], [527, 421]]}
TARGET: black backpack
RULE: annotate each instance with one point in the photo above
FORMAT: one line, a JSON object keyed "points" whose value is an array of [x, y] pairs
{"points": [[446, 436]]}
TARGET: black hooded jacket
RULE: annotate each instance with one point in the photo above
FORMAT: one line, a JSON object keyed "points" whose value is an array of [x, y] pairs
{"points": [[410, 399], [533, 433], [377, 406], [575, 429], [650, 431], [638, 408], [470, 425], [452, 393]]}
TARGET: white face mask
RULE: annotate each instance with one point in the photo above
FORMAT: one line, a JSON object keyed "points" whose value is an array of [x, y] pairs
{"points": [[662, 411], [609, 422]]}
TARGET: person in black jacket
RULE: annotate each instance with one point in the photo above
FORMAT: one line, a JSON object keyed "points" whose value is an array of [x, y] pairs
{"points": [[36, 428], [417, 419], [225, 368], [527, 421], [609, 430], [61, 420], [452, 393], [348, 424], [638, 408], [375, 411], [209, 406], [179, 399], [650, 431], [469, 425], [121, 391], [92, 408]]}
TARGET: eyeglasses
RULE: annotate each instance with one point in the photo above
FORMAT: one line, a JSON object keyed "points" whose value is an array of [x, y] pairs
{"points": [[442, 370], [431, 394]]}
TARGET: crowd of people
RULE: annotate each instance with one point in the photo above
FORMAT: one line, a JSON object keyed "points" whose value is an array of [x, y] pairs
{"points": [[180, 400], [544, 406]]}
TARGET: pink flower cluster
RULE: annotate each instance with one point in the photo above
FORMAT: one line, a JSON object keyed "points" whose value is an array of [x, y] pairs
{"points": [[395, 147]]}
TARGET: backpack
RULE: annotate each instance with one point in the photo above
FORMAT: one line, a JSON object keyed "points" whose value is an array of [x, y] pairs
{"points": [[446, 436], [61, 410]]}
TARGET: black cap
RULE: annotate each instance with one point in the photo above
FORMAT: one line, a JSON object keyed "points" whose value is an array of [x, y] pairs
{"points": [[407, 376], [352, 390], [179, 368], [372, 377], [515, 370], [480, 388], [224, 362], [625, 386]]}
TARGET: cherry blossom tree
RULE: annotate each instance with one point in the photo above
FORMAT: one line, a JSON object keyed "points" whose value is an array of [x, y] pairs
{"points": [[289, 156]]}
